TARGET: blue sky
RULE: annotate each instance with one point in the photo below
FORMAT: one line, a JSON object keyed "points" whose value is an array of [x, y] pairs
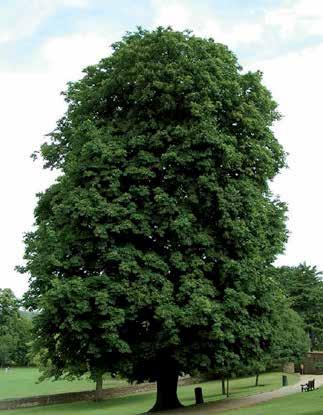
{"points": [[45, 43], [253, 28]]}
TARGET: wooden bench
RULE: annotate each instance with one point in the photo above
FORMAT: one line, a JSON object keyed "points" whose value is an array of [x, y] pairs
{"points": [[309, 386]]}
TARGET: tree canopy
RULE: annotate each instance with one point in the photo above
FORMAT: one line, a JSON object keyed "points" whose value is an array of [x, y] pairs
{"points": [[149, 253]]}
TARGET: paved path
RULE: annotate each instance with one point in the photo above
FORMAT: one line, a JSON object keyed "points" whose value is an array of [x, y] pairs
{"points": [[212, 408]]}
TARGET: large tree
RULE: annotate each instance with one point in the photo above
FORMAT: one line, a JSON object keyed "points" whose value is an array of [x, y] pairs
{"points": [[150, 251], [303, 284]]}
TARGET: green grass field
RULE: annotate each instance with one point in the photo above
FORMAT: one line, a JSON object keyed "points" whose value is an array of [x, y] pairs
{"points": [[20, 382], [138, 404], [309, 403]]}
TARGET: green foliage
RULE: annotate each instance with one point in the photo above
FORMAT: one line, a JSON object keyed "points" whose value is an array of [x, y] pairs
{"points": [[7, 344], [151, 248], [304, 286], [15, 331], [291, 343], [9, 308], [23, 328]]}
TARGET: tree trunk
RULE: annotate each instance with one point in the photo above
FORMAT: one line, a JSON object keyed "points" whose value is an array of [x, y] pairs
{"points": [[227, 387], [99, 388], [257, 379], [223, 386], [310, 341], [167, 390]]}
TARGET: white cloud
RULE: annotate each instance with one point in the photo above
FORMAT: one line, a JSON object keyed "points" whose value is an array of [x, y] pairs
{"points": [[238, 34], [4, 37], [30, 106], [68, 55], [182, 15], [295, 81], [293, 20], [297, 17], [71, 3], [172, 13], [25, 16]]}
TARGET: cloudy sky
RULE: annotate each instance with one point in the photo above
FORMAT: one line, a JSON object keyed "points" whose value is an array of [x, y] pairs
{"points": [[45, 43]]}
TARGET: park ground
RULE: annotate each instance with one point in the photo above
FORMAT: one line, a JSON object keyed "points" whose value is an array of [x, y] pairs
{"points": [[308, 403], [128, 405], [22, 382]]}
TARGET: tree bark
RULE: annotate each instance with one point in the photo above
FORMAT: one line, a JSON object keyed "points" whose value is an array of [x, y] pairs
{"points": [[167, 390], [223, 386], [227, 387], [310, 341], [99, 388], [257, 379]]}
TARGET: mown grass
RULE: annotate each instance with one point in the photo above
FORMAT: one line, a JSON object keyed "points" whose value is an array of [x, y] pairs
{"points": [[139, 403], [308, 403], [21, 382]]}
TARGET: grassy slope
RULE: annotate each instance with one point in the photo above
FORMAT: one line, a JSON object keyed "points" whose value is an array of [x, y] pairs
{"points": [[20, 382], [136, 404], [309, 403]]}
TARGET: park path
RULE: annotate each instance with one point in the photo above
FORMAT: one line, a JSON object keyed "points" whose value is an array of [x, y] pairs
{"points": [[212, 408]]}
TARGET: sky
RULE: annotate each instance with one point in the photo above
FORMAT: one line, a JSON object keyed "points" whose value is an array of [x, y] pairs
{"points": [[46, 43]]}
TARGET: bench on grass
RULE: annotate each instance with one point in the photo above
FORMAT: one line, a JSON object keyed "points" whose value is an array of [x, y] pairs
{"points": [[309, 386]]}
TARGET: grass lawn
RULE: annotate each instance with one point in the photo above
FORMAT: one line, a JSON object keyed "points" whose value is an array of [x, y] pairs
{"points": [[20, 382], [307, 403], [138, 404]]}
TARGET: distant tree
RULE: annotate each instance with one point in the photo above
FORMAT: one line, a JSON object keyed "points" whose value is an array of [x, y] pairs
{"points": [[9, 308], [290, 343], [303, 284], [9, 314], [27, 314], [15, 331], [149, 251], [8, 344], [24, 336]]}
